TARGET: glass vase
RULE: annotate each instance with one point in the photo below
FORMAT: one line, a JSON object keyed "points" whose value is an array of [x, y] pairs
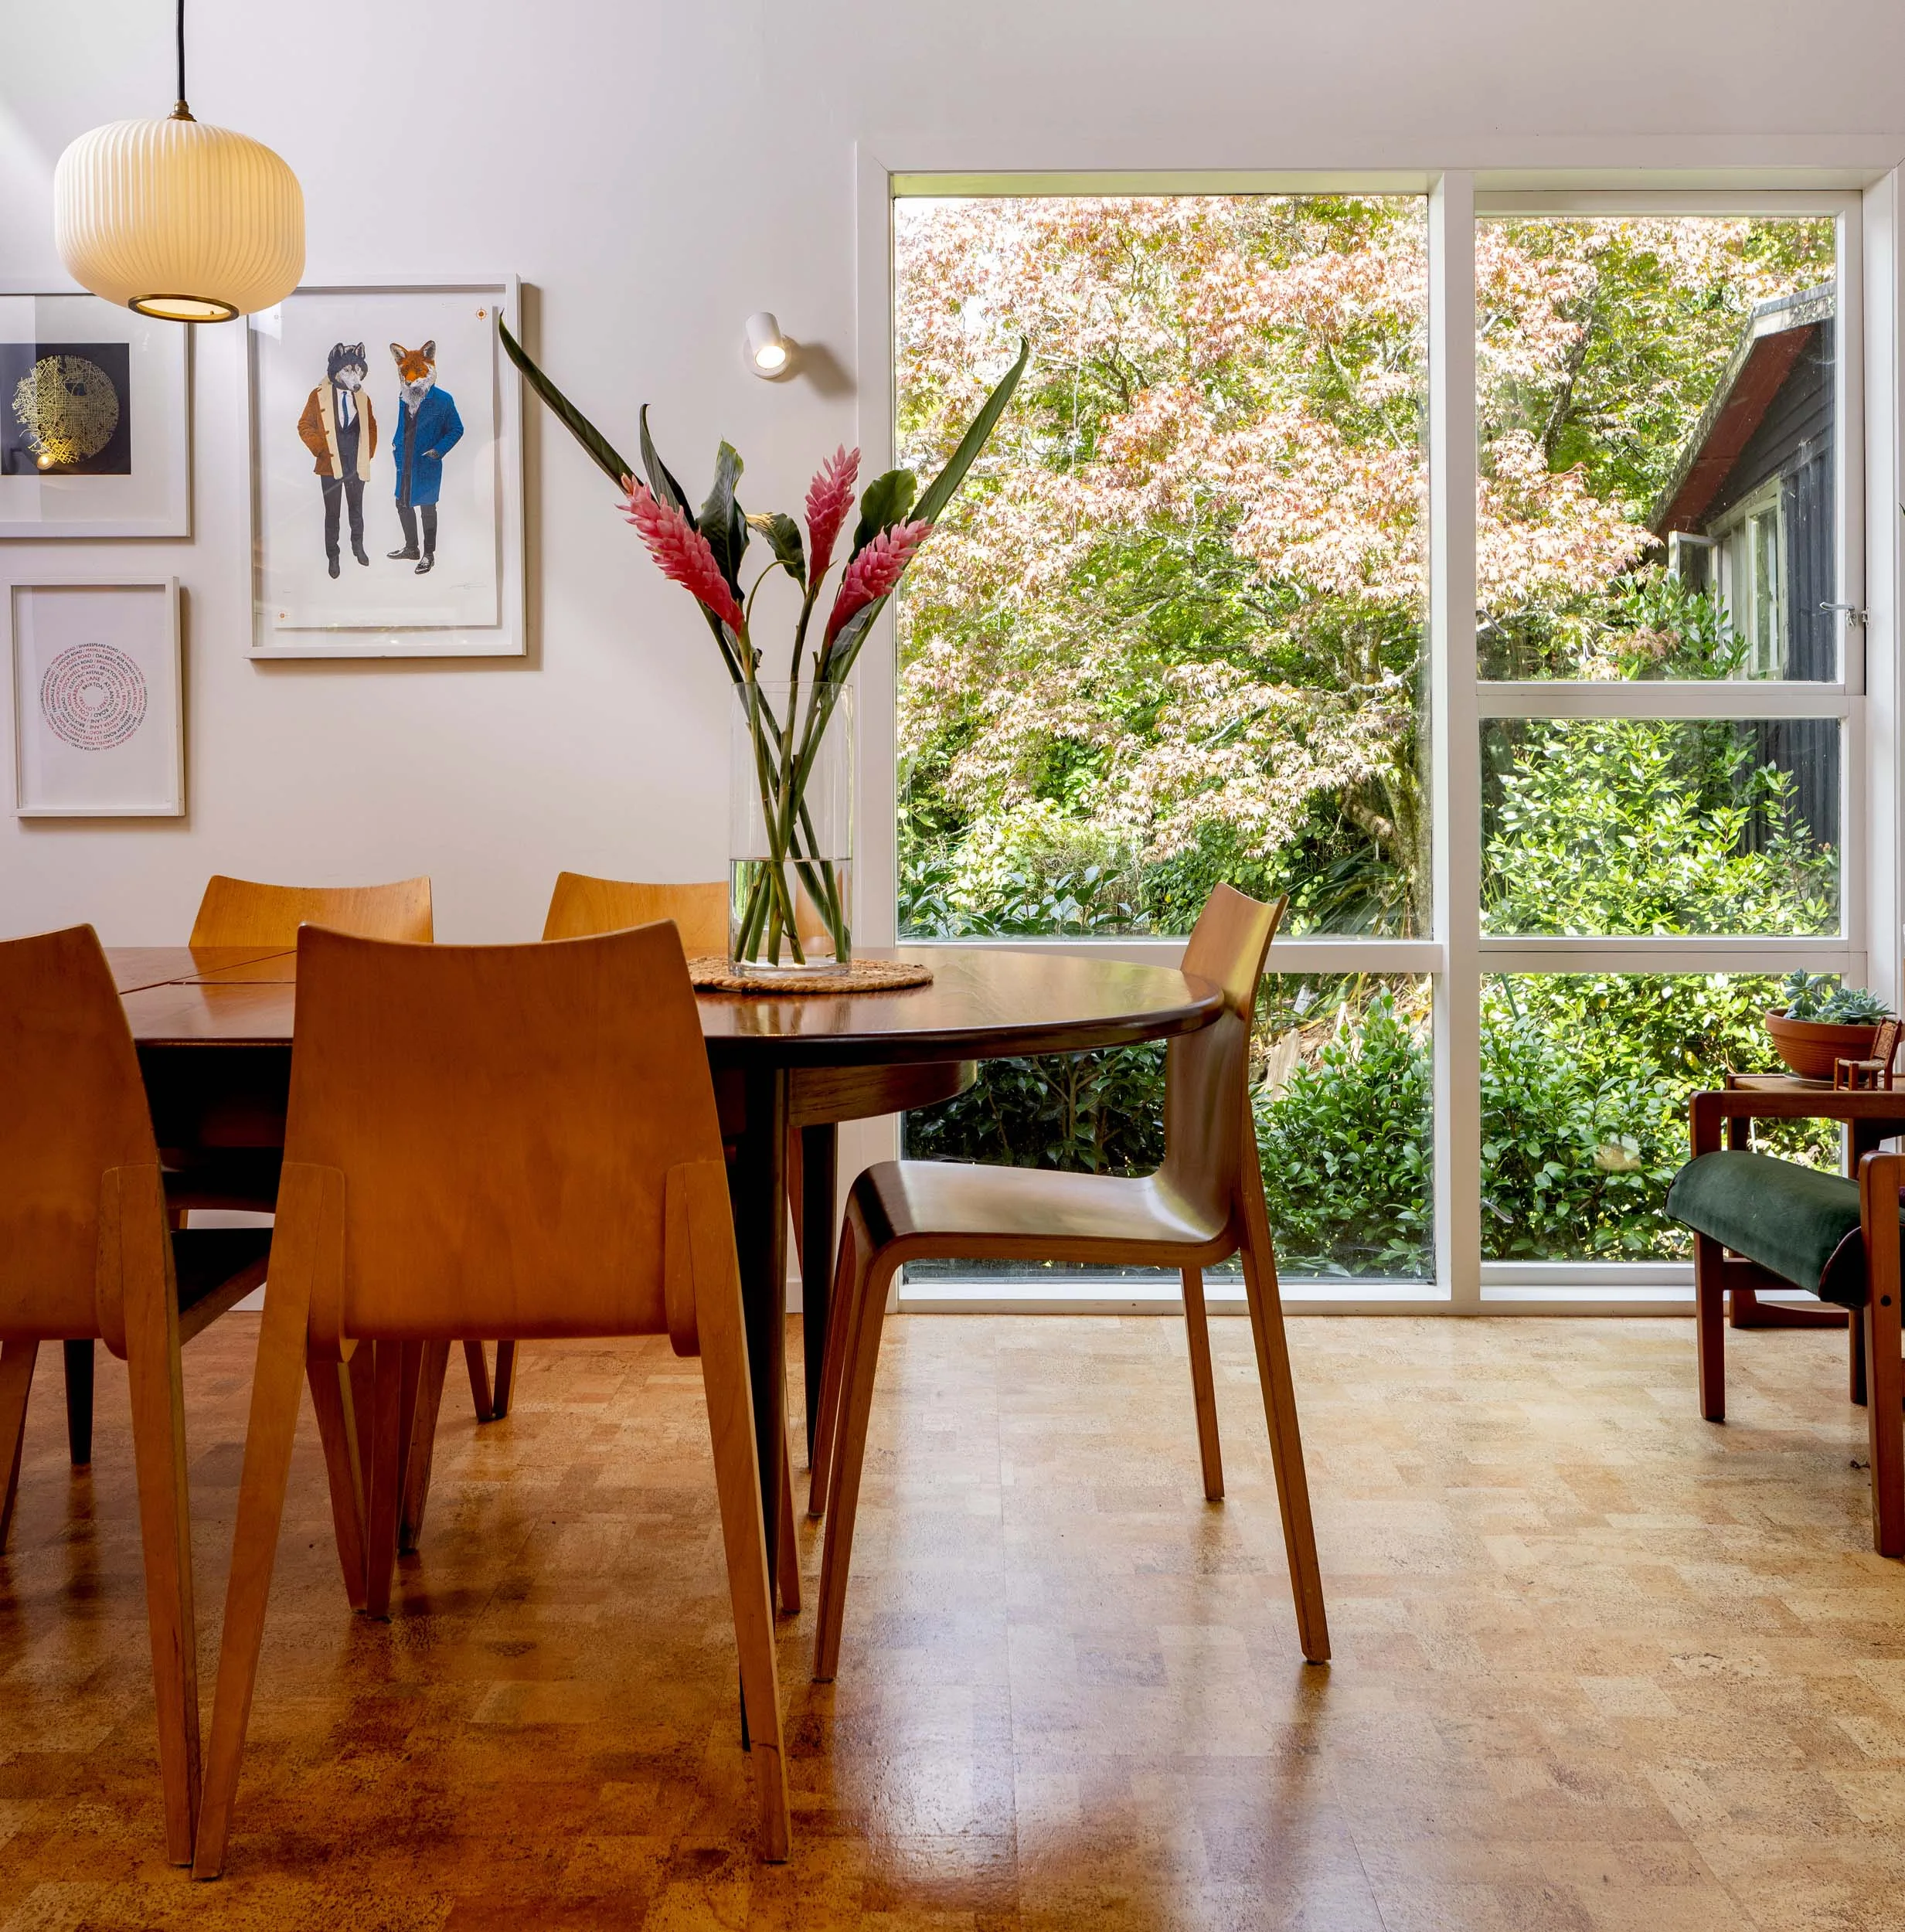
{"points": [[791, 828]]}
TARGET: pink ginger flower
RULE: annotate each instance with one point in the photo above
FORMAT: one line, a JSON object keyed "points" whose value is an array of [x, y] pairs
{"points": [[829, 497], [681, 551], [875, 571]]}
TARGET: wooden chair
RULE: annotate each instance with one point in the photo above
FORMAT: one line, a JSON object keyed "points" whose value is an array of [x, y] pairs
{"points": [[579, 908], [243, 912], [86, 1250], [521, 1138], [1204, 1204], [1759, 1222]]}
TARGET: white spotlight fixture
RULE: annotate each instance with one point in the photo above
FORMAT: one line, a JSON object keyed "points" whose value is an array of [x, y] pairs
{"points": [[769, 354], [177, 219]]}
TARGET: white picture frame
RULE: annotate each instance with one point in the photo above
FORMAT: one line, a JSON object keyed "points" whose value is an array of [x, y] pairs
{"points": [[319, 589], [122, 470], [97, 676]]}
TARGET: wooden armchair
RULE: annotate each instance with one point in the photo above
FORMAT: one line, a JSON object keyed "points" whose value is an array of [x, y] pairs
{"points": [[1205, 1204], [522, 1139], [1760, 1222], [87, 1249]]}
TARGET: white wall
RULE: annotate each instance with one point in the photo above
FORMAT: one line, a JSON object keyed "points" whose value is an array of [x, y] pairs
{"points": [[655, 172]]}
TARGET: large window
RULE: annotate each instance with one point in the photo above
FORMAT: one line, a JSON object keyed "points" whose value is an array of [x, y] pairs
{"points": [[1178, 630]]}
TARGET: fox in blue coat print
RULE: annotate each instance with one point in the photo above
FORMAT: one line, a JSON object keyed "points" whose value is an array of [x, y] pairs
{"points": [[428, 428]]}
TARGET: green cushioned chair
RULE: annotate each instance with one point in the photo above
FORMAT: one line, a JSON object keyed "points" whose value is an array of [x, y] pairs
{"points": [[1836, 1238]]}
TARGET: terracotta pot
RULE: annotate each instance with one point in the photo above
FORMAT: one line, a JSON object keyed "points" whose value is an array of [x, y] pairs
{"points": [[1810, 1046]]}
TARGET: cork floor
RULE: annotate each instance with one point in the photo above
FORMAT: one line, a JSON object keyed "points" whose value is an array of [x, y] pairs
{"points": [[1598, 1665]]}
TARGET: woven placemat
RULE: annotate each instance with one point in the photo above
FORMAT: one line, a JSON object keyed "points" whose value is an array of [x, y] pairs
{"points": [[713, 973]]}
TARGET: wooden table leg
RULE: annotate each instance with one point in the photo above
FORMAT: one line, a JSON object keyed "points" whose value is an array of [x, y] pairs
{"points": [[757, 1182], [820, 1154]]}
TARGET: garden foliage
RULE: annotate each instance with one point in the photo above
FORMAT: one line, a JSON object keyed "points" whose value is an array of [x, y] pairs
{"points": [[1174, 631]]}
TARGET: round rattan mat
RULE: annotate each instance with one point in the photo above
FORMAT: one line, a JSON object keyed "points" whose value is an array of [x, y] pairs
{"points": [[713, 973]]}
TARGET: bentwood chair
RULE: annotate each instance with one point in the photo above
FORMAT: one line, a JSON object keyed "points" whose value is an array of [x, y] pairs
{"points": [[1205, 1204], [818, 1099], [525, 1135], [243, 912], [87, 1249]]}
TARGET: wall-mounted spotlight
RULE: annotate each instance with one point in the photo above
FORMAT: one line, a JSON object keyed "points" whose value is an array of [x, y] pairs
{"points": [[770, 354]]}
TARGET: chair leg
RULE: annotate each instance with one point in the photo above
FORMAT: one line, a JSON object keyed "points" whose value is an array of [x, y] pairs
{"points": [[386, 1478], [78, 1358], [1203, 1384], [1709, 1311], [787, 1568], [1885, 1422], [1280, 1403], [16, 1381], [159, 1454], [436, 1366], [331, 1402], [826, 1425], [268, 1438], [744, 1535], [1880, 1177], [481, 1399], [505, 1379], [865, 1309]]}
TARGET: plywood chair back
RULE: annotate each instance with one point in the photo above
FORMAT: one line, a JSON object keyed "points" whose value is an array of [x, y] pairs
{"points": [[1206, 1072], [581, 906], [73, 1112], [243, 912], [505, 1130]]}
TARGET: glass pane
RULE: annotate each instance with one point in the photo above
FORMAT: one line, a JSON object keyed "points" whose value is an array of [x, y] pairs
{"points": [[1585, 1078], [1341, 1067], [1171, 631], [1658, 423], [1600, 826]]}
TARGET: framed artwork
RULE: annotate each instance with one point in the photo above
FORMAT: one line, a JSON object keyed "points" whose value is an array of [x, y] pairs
{"points": [[98, 700], [95, 421], [387, 469]]}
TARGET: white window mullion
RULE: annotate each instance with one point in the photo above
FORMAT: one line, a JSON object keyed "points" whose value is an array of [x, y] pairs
{"points": [[1455, 756]]}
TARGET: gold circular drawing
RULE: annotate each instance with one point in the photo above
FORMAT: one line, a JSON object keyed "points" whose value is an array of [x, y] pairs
{"points": [[67, 408]]}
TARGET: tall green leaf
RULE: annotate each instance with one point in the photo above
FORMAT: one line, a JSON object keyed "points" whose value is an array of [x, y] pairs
{"points": [[940, 490], [661, 484], [886, 502], [603, 453], [721, 521], [783, 536]]}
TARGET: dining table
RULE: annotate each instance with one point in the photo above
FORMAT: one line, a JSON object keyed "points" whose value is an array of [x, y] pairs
{"points": [[214, 1028]]}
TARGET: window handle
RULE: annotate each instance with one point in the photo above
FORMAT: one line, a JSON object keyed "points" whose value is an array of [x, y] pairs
{"points": [[1855, 613]]}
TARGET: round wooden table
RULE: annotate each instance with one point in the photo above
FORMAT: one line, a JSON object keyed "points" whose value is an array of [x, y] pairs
{"points": [[214, 1034]]}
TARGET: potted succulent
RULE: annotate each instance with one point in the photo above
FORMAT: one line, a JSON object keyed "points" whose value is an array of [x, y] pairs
{"points": [[1822, 1021]]}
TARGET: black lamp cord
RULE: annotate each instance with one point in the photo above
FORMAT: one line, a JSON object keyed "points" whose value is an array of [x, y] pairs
{"points": [[180, 110]]}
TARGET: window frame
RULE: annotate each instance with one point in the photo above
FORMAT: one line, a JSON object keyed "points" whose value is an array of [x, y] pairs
{"points": [[1456, 954]]}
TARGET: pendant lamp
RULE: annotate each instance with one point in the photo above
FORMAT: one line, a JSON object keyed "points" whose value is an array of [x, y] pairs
{"points": [[177, 219]]}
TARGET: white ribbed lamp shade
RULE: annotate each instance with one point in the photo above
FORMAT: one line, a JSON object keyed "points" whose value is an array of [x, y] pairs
{"points": [[178, 220]]}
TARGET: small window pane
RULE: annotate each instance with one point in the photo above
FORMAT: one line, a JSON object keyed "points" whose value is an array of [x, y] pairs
{"points": [[1620, 827], [1657, 412], [1341, 1070], [1585, 1078]]}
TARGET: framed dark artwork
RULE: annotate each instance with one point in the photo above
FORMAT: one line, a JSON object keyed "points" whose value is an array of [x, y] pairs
{"points": [[94, 420], [67, 409]]}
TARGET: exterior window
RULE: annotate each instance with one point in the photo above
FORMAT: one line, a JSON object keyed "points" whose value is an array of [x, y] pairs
{"points": [[1750, 549]]}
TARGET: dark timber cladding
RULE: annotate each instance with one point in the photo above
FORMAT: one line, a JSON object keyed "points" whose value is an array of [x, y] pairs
{"points": [[1772, 417]]}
